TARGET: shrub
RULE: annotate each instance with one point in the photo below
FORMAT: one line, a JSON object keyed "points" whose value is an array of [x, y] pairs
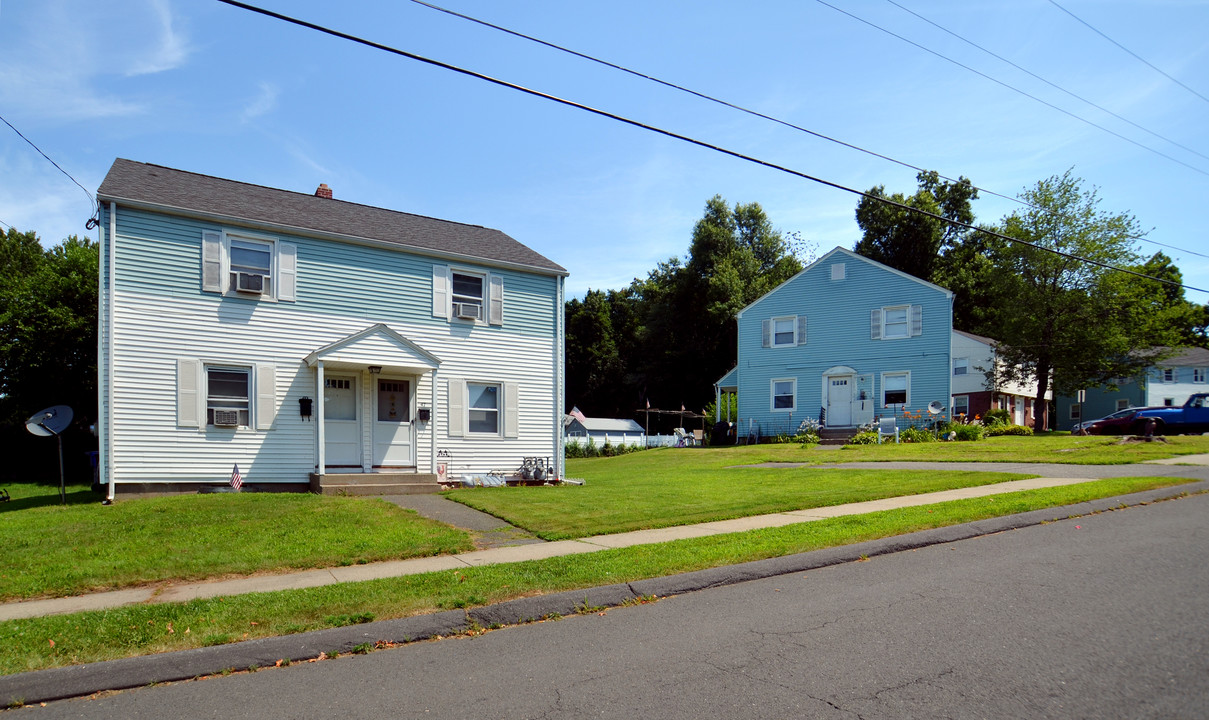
{"points": [[967, 432], [867, 437], [996, 430], [997, 416], [807, 438], [915, 435]]}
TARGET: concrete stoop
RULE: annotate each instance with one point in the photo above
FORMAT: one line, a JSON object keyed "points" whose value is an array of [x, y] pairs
{"points": [[836, 436], [402, 483]]}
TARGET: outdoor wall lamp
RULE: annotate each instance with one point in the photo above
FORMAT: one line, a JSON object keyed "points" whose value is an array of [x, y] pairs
{"points": [[375, 369], [304, 407]]}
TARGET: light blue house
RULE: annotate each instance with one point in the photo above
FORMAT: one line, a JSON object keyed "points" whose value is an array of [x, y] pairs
{"points": [[314, 342], [847, 339], [1168, 382]]}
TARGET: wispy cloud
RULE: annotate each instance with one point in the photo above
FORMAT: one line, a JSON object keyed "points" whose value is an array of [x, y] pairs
{"points": [[171, 49], [264, 102]]}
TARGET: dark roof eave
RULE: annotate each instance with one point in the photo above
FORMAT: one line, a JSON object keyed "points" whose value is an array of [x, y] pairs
{"points": [[556, 270]]}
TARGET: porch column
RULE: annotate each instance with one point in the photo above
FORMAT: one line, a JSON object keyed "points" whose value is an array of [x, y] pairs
{"points": [[432, 427], [320, 413], [718, 404]]}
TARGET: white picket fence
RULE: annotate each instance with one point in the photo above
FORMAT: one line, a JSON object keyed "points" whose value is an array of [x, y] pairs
{"points": [[635, 440]]}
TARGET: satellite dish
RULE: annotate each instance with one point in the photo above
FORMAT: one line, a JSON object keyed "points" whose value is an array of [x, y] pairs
{"points": [[935, 407], [49, 422]]}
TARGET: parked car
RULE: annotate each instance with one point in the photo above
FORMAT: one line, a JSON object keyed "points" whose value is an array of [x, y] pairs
{"points": [[1190, 418], [1119, 423]]}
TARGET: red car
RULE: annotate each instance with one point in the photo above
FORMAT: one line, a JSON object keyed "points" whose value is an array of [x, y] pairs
{"points": [[1119, 423]]}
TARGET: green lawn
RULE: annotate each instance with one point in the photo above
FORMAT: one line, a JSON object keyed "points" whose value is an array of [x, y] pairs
{"points": [[1046, 448], [56, 550], [672, 486], [144, 629]]}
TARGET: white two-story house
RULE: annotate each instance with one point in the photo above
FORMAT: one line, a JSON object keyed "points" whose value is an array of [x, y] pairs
{"points": [[304, 338]]}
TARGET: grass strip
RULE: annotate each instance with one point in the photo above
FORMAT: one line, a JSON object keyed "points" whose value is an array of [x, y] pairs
{"points": [[54, 550], [140, 630], [663, 488]]}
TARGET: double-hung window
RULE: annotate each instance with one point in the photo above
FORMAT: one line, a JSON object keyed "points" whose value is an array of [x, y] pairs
{"points": [[468, 294], [961, 366], [1198, 375], [483, 412], [787, 331], [961, 404], [1122, 404], [896, 322], [896, 388], [1167, 375], [239, 264], [1076, 411], [228, 398], [784, 394], [251, 266]]}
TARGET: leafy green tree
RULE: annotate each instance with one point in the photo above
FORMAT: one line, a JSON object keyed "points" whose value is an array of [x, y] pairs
{"points": [[912, 241], [48, 341], [1067, 322], [667, 337]]}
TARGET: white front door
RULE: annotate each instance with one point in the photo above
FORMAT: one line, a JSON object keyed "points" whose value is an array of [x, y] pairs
{"points": [[342, 446], [839, 401], [393, 444], [1019, 414]]}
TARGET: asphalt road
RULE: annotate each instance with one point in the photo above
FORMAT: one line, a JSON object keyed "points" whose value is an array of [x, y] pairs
{"points": [[1103, 616]]}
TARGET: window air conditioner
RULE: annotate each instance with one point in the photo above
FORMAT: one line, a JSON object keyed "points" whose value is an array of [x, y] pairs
{"points": [[249, 282], [466, 311], [226, 418]]}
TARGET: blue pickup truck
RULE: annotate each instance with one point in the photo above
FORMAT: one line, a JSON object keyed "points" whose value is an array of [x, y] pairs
{"points": [[1191, 418]]}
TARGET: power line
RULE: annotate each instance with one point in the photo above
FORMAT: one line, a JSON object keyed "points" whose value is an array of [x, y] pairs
{"points": [[92, 201], [668, 133], [1047, 82], [1131, 52], [1014, 89], [770, 118]]}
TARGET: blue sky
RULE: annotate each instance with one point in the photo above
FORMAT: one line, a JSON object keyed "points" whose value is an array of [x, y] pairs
{"points": [[209, 88]]}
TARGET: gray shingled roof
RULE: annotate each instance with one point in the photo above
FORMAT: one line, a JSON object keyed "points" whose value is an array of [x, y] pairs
{"points": [[185, 193]]}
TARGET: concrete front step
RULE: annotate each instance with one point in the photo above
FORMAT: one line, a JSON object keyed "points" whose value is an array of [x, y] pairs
{"points": [[374, 483], [835, 436]]}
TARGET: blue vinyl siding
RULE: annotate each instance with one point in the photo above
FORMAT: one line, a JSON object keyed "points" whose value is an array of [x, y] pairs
{"points": [[838, 319]]}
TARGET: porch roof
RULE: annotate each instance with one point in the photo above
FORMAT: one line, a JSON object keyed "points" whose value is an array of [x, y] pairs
{"points": [[375, 346], [730, 381]]}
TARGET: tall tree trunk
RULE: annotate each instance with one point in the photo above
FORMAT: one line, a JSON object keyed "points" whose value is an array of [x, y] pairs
{"points": [[1040, 406]]}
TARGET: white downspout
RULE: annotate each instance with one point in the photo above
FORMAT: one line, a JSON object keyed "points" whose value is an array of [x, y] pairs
{"points": [[320, 413], [432, 426], [105, 460], [559, 381]]}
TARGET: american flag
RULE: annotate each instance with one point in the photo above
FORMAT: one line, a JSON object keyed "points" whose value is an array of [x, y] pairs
{"points": [[575, 413], [236, 478]]}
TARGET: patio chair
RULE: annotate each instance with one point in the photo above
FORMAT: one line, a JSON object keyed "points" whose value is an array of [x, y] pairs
{"points": [[683, 439], [698, 437], [887, 426]]}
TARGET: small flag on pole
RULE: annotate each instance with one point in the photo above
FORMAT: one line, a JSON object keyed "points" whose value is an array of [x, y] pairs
{"points": [[575, 413], [648, 403], [236, 478]]}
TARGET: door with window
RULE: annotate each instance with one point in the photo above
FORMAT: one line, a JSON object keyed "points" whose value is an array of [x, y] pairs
{"points": [[839, 401], [394, 444], [341, 446]]}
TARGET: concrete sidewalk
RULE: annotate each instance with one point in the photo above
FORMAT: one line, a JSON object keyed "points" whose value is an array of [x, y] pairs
{"points": [[539, 551]]}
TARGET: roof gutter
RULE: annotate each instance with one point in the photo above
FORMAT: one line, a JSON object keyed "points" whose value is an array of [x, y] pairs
{"points": [[322, 235]]}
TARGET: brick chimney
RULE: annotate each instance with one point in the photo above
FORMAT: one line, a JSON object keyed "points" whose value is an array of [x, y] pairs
{"points": [[324, 191]]}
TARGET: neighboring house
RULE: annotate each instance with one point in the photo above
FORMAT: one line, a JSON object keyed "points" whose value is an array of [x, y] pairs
{"points": [[302, 336], [847, 336], [604, 430], [1168, 382], [974, 392]]}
